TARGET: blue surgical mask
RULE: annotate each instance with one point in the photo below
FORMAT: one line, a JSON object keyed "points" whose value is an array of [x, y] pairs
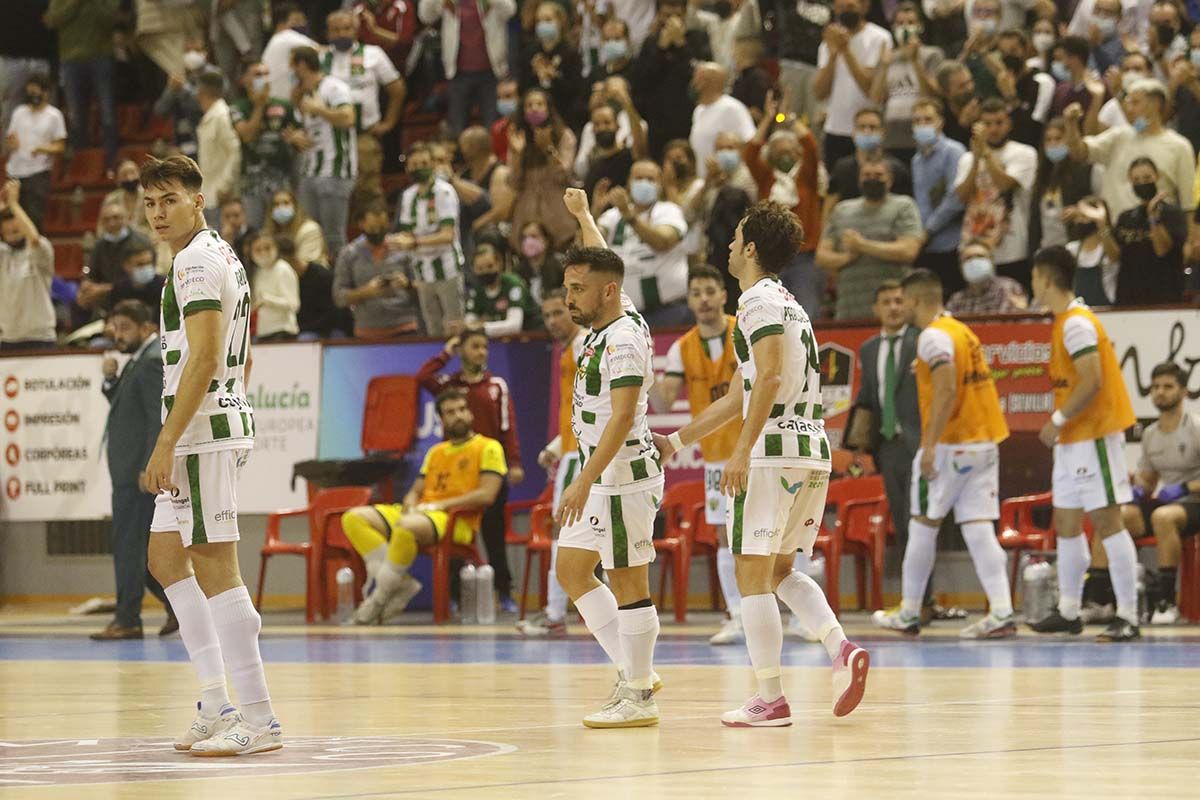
{"points": [[1106, 25], [547, 30], [1057, 152], [259, 83], [867, 141], [613, 50], [985, 26], [142, 275], [924, 135], [1195, 56], [977, 269], [728, 160], [643, 192], [1059, 71], [506, 106], [1140, 124], [283, 214], [115, 237]]}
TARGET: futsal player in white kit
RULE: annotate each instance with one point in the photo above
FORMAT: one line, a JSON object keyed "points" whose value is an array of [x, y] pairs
{"points": [[206, 437], [778, 473]]}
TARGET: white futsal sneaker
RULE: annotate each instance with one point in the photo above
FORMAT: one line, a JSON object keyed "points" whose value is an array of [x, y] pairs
{"points": [[990, 627], [656, 686], [849, 678], [731, 632], [206, 727], [242, 739], [410, 587], [630, 708]]}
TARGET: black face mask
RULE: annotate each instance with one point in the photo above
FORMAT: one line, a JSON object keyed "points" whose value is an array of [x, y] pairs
{"points": [[376, 237], [1145, 191], [1080, 230], [1166, 33], [19, 244], [33, 98], [1015, 64], [849, 19], [130, 186], [491, 279], [606, 139], [874, 189]]}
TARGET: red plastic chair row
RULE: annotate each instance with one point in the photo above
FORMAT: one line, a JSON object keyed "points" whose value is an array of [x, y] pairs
{"points": [[859, 529], [675, 545], [443, 552]]}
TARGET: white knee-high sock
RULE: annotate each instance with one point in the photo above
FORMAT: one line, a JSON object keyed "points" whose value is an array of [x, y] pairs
{"points": [[727, 575], [199, 636], [639, 632], [917, 566], [556, 598], [804, 597], [764, 640], [991, 565], [374, 560], [599, 611], [803, 563], [237, 625], [1073, 560], [1122, 566]]}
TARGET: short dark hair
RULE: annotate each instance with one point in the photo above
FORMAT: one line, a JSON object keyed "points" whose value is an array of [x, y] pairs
{"points": [[706, 272], [922, 280], [887, 285], [133, 310], [419, 147], [775, 232], [228, 201], [446, 395], [993, 105], [472, 333], [160, 172], [1172, 369], [931, 102], [253, 239], [557, 293], [1142, 161], [212, 82], [372, 207], [597, 259], [1075, 46], [1057, 264], [868, 110], [40, 80], [281, 11], [136, 248], [308, 56]]}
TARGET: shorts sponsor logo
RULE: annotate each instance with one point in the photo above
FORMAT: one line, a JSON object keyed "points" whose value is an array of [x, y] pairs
{"points": [[961, 469], [765, 533], [228, 515], [641, 544], [791, 488]]}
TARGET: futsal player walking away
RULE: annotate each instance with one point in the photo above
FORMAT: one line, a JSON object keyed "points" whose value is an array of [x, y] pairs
{"points": [[607, 512], [778, 471], [957, 467], [206, 437], [560, 455], [1086, 431]]}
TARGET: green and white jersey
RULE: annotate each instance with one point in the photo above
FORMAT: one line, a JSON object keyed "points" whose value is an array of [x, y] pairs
{"points": [[619, 354], [366, 69], [207, 275], [423, 213], [334, 153], [794, 435]]}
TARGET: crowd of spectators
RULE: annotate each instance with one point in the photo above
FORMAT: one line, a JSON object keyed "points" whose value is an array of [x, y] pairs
{"points": [[955, 136]]}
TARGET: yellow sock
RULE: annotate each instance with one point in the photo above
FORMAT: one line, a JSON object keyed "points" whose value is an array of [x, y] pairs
{"points": [[361, 533], [402, 549]]}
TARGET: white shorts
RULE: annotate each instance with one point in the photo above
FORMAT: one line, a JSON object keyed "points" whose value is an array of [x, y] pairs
{"points": [[780, 511], [568, 467], [620, 527], [967, 483], [204, 506], [714, 498], [1092, 474]]}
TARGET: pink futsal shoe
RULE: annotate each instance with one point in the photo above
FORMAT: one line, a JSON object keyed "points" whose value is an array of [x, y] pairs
{"points": [[758, 713], [849, 678]]}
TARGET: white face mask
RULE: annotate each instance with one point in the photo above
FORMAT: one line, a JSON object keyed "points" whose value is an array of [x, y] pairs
{"points": [[194, 60], [977, 269], [264, 262], [1043, 42]]}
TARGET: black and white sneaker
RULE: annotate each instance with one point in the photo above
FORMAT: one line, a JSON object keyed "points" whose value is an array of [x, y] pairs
{"points": [[1057, 623], [1120, 630]]}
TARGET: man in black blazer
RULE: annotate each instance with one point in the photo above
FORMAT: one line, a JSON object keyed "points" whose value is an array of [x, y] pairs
{"points": [[135, 397]]}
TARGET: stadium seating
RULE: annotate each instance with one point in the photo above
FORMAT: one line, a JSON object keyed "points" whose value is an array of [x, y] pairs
{"points": [[1019, 533], [862, 524], [443, 552], [705, 543], [675, 543], [538, 543], [513, 537]]}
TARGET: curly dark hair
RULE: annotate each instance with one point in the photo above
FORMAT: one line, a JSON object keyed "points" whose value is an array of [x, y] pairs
{"points": [[775, 232], [597, 259]]}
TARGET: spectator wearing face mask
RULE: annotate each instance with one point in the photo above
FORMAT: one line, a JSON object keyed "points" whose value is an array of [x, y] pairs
{"points": [[1134, 67], [1164, 39], [648, 234], [1133, 22], [291, 31], [1042, 40], [26, 270], [1088, 226], [729, 191], [906, 73], [178, 101], [275, 290], [541, 150], [373, 280], [167, 32], [552, 63], [1061, 183], [508, 103], [868, 144], [994, 182], [1030, 90], [37, 135], [1070, 69], [499, 299], [265, 125], [1117, 149], [662, 74], [934, 168], [130, 195], [715, 113], [287, 218], [850, 53], [615, 55], [613, 139], [979, 51], [140, 280], [541, 267], [105, 265], [1109, 46], [985, 292]]}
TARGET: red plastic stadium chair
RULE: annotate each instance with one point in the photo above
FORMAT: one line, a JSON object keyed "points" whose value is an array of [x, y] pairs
{"points": [[515, 507], [86, 169], [677, 504], [1189, 579], [443, 552], [539, 544], [1019, 533], [861, 527], [705, 543], [324, 503]]}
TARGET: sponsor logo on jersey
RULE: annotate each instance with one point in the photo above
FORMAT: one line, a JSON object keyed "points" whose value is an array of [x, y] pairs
{"points": [[791, 488]]}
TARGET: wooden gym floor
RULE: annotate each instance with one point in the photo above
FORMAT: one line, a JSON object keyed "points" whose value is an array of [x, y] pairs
{"points": [[418, 711]]}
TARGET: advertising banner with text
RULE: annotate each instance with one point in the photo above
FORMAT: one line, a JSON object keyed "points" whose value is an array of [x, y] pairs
{"points": [[1143, 339]]}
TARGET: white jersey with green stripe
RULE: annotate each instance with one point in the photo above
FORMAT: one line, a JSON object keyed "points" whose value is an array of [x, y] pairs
{"points": [[619, 354], [334, 151], [794, 435], [207, 275], [424, 213]]}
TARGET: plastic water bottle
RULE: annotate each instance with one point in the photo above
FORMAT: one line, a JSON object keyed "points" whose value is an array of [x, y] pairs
{"points": [[485, 595], [1039, 590], [467, 590], [345, 593]]}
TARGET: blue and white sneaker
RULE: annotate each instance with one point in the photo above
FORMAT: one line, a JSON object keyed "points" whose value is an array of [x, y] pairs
{"points": [[207, 727], [242, 739]]}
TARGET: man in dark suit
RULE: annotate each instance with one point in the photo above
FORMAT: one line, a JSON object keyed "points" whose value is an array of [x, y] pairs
{"points": [[889, 390], [134, 420]]}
